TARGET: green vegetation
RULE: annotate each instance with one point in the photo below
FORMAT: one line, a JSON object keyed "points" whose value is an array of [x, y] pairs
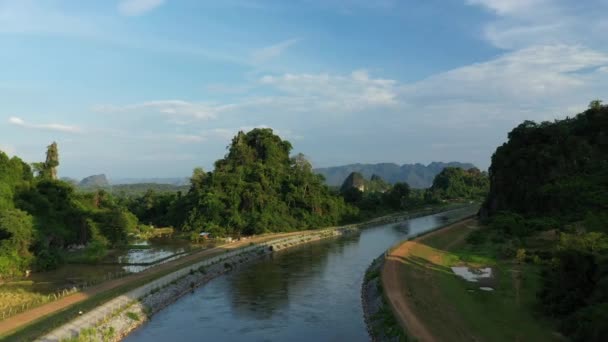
{"points": [[551, 180], [375, 197], [455, 183], [256, 188], [132, 315], [457, 310], [40, 217]]}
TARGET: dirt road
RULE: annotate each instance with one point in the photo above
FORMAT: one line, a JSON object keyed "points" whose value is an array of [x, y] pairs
{"points": [[392, 283]]}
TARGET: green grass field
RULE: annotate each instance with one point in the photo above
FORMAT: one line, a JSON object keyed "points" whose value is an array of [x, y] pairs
{"points": [[454, 309]]}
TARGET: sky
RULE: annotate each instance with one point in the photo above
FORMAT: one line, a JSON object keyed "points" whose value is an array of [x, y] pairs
{"points": [[154, 88]]}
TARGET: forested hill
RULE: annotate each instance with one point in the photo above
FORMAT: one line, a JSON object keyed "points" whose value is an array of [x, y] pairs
{"points": [[553, 168], [417, 176], [548, 201]]}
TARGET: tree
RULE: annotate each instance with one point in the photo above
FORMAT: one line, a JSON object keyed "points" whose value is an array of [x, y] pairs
{"points": [[48, 169], [16, 236], [257, 187], [397, 197]]}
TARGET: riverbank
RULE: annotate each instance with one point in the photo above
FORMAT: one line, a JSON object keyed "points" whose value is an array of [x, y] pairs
{"points": [[379, 318], [433, 303], [48, 317]]}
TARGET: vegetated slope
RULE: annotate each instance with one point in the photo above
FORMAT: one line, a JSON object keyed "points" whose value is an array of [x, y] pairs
{"points": [[456, 183], [418, 176], [557, 168], [258, 188], [553, 177]]}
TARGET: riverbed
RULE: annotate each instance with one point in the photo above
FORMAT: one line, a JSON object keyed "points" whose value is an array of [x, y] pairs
{"points": [[305, 293]]}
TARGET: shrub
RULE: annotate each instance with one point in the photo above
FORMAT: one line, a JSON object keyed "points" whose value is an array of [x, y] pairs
{"points": [[132, 315]]}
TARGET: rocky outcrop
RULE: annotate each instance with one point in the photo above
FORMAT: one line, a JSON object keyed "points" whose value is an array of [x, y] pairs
{"points": [[94, 181]]}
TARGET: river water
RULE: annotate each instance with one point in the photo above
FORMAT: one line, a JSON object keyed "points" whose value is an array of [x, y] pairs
{"points": [[306, 293]]}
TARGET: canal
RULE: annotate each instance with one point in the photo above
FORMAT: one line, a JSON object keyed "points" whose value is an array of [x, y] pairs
{"points": [[307, 293]]}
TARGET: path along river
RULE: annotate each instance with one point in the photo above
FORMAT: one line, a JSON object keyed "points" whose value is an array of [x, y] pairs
{"points": [[307, 293]]}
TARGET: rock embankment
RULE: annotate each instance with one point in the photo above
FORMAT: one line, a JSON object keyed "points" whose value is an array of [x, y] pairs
{"points": [[379, 319]]}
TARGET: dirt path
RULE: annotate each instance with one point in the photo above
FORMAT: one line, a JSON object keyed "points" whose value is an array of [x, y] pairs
{"points": [[392, 289], [22, 319], [393, 285]]}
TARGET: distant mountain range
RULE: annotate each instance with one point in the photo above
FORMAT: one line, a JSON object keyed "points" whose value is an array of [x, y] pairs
{"points": [[416, 175]]}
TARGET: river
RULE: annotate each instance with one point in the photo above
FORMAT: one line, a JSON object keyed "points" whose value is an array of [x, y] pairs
{"points": [[307, 293]]}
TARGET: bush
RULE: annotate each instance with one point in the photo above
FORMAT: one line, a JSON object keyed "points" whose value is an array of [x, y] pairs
{"points": [[132, 315], [588, 324], [509, 223]]}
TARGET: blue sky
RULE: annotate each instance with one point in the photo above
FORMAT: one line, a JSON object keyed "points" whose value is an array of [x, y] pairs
{"points": [[153, 88]]}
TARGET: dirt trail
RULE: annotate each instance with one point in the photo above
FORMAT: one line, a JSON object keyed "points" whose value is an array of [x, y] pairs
{"points": [[392, 282], [27, 317], [392, 288]]}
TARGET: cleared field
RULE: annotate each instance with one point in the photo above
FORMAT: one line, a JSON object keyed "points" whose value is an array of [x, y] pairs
{"points": [[437, 305]]}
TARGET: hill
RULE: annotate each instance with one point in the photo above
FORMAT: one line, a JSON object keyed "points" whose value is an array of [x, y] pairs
{"points": [[418, 176], [548, 205], [94, 181]]}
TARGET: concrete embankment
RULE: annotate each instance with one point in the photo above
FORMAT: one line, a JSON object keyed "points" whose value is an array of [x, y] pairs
{"points": [[116, 318]]}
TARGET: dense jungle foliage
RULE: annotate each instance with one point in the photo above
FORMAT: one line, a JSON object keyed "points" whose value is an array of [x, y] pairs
{"points": [[41, 216], [256, 188], [553, 177]]}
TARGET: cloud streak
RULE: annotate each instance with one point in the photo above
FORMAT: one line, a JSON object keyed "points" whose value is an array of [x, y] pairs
{"points": [[171, 108], [268, 53], [47, 127], [138, 7]]}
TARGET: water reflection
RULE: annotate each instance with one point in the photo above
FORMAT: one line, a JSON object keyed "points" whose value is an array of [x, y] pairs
{"points": [[259, 297]]}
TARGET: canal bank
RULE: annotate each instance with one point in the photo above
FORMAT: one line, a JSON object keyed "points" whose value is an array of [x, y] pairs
{"points": [[309, 292], [378, 308], [124, 305]]}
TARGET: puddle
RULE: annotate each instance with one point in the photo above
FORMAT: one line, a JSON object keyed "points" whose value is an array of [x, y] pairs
{"points": [[485, 288], [472, 275]]}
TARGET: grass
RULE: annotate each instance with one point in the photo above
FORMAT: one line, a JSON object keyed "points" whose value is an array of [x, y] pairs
{"points": [[13, 297], [132, 315], [457, 310]]}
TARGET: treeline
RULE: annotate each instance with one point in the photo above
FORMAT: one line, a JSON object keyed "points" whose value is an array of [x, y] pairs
{"points": [[136, 189], [375, 197], [41, 216], [553, 176]]}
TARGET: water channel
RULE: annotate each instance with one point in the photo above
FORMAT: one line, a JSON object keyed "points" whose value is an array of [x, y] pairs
{"points": [[307, 293]]}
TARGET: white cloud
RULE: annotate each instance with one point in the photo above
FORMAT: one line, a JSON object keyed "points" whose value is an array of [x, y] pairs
{"points": [[171, 108], [534, 72], [536, 83], [267, 53], [522, 23], [49, 127], [339, 93], [504, 7], [138, 7]]}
